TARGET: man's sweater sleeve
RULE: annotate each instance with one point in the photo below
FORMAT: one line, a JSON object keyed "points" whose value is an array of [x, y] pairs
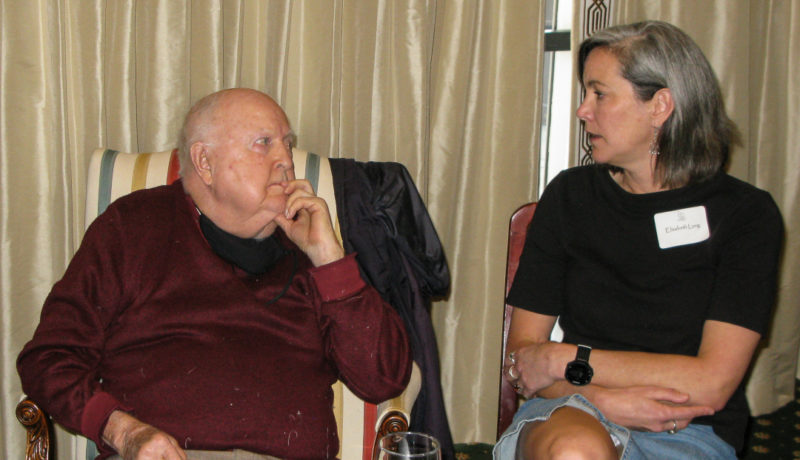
{"points": [[57, 367], [364, 335]]}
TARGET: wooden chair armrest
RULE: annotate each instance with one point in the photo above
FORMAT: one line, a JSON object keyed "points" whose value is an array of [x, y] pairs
{"points": [[36, 423], [392, 422], [394, 414]]}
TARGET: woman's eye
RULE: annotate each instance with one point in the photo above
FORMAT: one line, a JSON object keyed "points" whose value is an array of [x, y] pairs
{"points": [[598, 94]]}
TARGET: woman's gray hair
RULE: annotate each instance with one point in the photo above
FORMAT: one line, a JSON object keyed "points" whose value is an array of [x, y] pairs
{"points": [[694, 143]]}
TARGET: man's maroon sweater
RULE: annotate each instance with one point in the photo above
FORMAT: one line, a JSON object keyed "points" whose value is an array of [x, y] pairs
{"points": [[148, 319]]}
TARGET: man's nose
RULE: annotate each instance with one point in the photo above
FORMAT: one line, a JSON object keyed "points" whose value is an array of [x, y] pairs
{"points": [[285, 155], [285, 162]]}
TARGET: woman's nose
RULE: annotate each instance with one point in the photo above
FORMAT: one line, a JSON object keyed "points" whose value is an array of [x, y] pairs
{"points": [[583, 111]]}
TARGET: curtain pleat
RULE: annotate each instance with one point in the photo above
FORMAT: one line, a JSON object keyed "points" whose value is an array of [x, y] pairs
{"points": [[35, 195], [484, 143], [450, 89]]}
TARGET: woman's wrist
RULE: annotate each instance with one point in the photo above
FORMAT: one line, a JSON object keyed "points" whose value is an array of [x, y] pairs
{"points": [[558, 357]]}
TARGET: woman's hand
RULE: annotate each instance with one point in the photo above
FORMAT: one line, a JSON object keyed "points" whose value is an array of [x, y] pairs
{"points": [[647, 408], [526, 361], [528, 368]]}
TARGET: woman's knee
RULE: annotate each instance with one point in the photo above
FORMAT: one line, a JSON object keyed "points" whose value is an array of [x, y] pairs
{"points": [[569, 434]]}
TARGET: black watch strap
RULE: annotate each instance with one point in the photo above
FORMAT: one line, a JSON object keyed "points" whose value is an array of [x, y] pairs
{"points": [[583, 353], [578, 371]]}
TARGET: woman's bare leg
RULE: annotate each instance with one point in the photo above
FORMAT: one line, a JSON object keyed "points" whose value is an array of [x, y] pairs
{"points": [[570, 433]]}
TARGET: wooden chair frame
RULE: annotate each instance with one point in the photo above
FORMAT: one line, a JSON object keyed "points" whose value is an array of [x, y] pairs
{"points": [[39, 443], [518, 229], [39, 430]]}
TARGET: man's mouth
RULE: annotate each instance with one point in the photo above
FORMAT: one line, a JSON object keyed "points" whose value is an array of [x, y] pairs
{"points": [[278, 185]]}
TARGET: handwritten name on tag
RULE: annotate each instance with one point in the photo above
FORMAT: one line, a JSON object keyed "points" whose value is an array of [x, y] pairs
{"points": [[681, 227]]}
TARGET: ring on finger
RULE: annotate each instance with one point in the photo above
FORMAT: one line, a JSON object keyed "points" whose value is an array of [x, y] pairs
{"points": [[512, 358], [512, 373], [674, 428]]}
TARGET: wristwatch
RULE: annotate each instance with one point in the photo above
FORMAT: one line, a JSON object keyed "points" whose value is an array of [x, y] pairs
{"points": [[579, 372]]}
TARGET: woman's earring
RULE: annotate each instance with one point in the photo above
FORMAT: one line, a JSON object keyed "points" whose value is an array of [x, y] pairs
{"points": [[654, 143]]}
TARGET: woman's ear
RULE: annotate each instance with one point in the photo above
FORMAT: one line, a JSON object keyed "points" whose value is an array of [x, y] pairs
{"points": [[199, 155], [663, 105]]}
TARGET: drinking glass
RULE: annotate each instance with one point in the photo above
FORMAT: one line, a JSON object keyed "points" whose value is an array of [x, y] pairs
{"points": [[409, 445]]}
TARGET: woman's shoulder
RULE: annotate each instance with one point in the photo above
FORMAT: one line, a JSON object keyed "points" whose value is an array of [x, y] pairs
{"points": [[582, 172], [576, 176], [739, 190], [742, 201], [578, 181], [740, 187]]}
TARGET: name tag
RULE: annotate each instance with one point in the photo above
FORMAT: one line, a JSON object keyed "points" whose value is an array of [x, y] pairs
{"points": [[681, 227]]}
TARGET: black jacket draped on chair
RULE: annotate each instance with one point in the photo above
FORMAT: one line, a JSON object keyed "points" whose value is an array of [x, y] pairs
{"points": [[383, 218]]}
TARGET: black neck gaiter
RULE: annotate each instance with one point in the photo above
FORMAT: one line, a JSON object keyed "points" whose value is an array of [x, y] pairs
{"points": [[251, 255]]}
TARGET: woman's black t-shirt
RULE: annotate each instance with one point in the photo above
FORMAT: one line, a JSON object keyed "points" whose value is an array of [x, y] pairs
{"points": [[643, 272]]}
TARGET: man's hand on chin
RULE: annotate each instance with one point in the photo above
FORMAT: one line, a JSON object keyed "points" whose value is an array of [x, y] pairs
{"points": [[136, 440], [307, 222]]}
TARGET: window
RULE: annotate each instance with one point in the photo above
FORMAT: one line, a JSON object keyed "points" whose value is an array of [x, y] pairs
{"points": [[556, 91]]}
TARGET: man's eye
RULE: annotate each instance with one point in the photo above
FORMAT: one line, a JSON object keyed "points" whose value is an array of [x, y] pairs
{"points": [[290, 141], [263, 140]]}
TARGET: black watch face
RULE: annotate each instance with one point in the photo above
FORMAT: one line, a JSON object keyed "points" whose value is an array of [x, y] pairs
{"points": [[578, 373]]}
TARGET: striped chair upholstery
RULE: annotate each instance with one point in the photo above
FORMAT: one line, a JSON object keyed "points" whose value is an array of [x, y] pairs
{"points": [[113, 174]]}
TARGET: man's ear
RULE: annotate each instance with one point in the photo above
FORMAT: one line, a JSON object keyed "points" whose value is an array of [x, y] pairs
{"points": [[663, 105], [199, 155]]}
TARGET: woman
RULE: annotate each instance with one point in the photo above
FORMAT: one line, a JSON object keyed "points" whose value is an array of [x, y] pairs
{"points": [[661, 267]]}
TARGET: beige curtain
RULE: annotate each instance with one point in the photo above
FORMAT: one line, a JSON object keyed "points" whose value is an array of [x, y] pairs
{"points": [[449, 88], [484, 144], [754, 47]]}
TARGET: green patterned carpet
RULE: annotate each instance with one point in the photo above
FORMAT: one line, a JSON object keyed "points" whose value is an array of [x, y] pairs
{"points": [[774, 436]]}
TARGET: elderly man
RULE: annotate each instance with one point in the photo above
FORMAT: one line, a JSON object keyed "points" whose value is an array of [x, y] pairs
{"points": [[214, 314]]}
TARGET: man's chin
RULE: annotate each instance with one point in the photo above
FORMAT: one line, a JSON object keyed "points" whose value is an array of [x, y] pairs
{"points": [[267, 231]]}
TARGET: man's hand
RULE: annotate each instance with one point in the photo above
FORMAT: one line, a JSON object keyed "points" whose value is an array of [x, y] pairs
{"points": [[136, 440], [307, 222]]}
